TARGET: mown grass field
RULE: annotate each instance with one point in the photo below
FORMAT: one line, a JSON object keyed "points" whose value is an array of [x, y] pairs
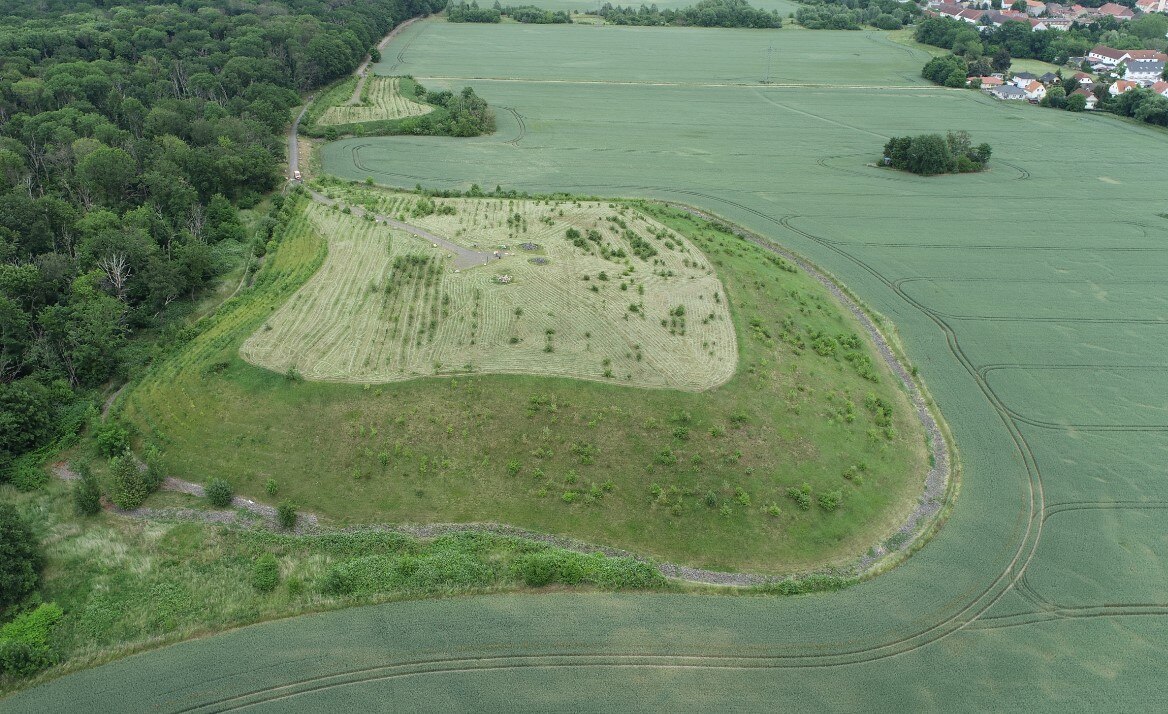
{"points": [[1029, 299], [636, 305], [695, 477], [381, 99]]}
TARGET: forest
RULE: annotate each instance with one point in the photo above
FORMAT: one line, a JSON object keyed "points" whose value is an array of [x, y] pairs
{"points": [[130, 138]]}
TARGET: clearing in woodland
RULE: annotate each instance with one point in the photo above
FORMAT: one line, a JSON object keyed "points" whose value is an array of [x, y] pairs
{"points": [[381, 98], [587, 290]]}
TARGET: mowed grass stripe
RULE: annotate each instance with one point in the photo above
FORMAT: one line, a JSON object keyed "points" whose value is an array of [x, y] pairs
{"points": [[568, 315]]}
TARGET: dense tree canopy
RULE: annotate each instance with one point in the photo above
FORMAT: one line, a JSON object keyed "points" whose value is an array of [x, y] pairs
{"points": [[932, 154], [20, 558], [705, 13], [130, 134]]}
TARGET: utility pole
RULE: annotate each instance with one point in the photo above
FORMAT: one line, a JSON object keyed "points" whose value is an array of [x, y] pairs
{"points": [[770, 51]]}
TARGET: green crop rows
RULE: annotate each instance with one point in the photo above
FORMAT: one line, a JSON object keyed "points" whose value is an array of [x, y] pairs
{"points": [[1030, 297]]}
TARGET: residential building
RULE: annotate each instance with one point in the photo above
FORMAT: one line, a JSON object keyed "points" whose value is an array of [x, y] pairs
{"points": [[1008, 92], [1119, 12], [1161, 88], [1049, 78], [1035, 91], [1121, 87], [1091, 100], [1143, 71], [1022, 79], [1034, 8], [1152, 5]]}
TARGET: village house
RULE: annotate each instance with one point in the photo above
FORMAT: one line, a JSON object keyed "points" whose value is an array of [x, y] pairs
{"points": [[1143, 71], [1035, 91], [1119, 12], [1034, 8], [1105, 57], [1161, 88], [1152, 5], [988, 82], [1049, 78], [1121, 87], [1007, 92], [1091, 101], [1023, 79]]}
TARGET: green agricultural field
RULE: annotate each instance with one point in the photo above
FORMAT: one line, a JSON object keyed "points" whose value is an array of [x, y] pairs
{"points": [[1029, 297], [628, 301], [380, 99]]}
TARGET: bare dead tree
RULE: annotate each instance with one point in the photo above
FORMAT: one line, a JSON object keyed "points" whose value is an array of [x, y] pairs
{"points": [[197, 221], [117, 271]]}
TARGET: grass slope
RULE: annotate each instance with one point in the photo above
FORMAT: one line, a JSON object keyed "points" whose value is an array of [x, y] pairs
{"points": [[128, 584], [387, 306], [677, 475]]}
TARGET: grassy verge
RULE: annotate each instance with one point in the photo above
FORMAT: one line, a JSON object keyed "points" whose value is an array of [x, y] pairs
{"points": [[126, 585], [727, 479]]}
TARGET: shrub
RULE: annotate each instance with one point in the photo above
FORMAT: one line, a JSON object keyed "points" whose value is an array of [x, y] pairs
{"points": [[129, 485], [830, 500], [112, 438], [265, 573], [24, 642], [537, 569], [286, 515], [86, 491], [28, 474], [801, 496], [271, 487], [20, 557], [219, 493]]}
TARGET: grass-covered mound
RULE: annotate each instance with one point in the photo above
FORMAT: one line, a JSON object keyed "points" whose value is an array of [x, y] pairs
{"points": [[810, 453]]}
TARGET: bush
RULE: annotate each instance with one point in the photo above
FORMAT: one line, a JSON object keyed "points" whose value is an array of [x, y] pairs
{"points": [[219, 493], [20, 557], [129, 484], [112, 438], [24, 642], [28, 474], [801, 496], [265, 574], [86, 491], [830, 500], [286, 515], [537, 569], [271, 487]]}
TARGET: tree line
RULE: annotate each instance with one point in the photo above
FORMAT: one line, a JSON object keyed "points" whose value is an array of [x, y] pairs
{"points": [[856, 14], [530, 14], [705, 13], [129, 139]]}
